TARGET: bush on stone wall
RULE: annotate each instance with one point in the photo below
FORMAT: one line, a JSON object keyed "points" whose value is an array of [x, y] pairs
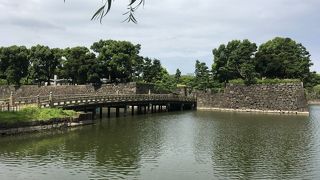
{"points": [[265, 81], [3, 82], [315, 93]]}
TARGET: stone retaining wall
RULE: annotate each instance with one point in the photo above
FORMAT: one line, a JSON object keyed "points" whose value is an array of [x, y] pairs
{"points": [[125, 88], [34, 90], [284, 97]]}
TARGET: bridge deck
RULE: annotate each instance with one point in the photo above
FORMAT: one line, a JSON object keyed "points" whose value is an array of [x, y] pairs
{"points": [[76, 100]]}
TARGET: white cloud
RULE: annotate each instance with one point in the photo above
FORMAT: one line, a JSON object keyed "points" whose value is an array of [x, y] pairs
{"points": [[177, 32]]}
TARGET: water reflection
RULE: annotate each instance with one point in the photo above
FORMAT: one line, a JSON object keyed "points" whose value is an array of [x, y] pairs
{"points": [[191, 145], [254, 146], [109, 149]]}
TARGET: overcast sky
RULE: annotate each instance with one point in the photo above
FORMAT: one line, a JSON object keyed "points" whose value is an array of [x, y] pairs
{"points": [[177, 32]]}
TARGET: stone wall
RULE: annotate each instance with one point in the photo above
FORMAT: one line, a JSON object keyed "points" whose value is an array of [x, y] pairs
{"points": [[124, 88], [34, 90], [144, 88], [284, 97], [5, 91]]}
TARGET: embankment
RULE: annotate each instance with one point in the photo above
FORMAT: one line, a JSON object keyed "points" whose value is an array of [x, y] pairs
{"points": [[36, 126], [274, 98]]}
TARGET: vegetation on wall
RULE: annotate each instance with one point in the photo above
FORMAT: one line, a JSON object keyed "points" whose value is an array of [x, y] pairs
{"points": [[34, 114], [280, 60]]}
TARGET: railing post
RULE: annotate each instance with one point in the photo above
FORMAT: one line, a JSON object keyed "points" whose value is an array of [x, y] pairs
{"points": [[38, 101], [50, 100], [11, 101]]}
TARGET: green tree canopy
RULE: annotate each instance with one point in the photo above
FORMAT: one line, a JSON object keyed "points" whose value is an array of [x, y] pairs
{"points": [[14, 63], [234, 60], [44, 62], [312, 80], [152, 70], [166, 83], [283, 58], [120, 60], [80, 66], [177, 76], [187, 80], [3, 64], [202, 80]]}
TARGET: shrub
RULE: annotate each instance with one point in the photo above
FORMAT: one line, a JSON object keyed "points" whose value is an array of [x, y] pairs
{"points": [[32, 113], [265, 81]]}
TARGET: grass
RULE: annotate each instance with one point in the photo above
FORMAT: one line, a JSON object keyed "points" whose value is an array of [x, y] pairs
{"points": [[34, 114]]}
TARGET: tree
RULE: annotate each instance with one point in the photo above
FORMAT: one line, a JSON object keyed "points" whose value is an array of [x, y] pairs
{"points": [[283, 58], [166, 83], [80, 66], [312, 80], [316, 92], [202, 80], [44, 62], [234, 60], [152, 70], [119, 60], [147, 74], [177, 76], [3, 64], [187, 80], [14, 63]]}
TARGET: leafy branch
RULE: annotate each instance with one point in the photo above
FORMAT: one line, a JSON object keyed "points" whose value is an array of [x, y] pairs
{"points": [[106, 7]]}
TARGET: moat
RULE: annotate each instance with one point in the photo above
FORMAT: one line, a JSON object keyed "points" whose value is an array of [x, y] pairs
{"points": [[175, 145]]}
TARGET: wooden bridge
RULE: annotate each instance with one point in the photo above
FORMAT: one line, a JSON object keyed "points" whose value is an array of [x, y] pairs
{"points": [[141, 103]]}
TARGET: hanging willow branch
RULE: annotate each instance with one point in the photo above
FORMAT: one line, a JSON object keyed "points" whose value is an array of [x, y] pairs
{"points": [[106, 7]]}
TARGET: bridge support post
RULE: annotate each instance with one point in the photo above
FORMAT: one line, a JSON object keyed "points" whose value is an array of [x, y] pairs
{"points": [[182, 107], [168, 107], [132, 110], [117, 111], [138, 109], [125, 110], [159, 108], [152, 108], [101, 112], [145, 109], [194, 106], [94, 113], [109, 109]]}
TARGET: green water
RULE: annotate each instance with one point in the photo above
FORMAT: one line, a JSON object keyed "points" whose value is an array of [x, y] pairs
{"points": [[187, 145]]}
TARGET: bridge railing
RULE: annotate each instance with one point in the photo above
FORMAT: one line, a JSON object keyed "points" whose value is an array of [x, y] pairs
{"points": [[12, 104], [79, 99], [4, 104]]}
